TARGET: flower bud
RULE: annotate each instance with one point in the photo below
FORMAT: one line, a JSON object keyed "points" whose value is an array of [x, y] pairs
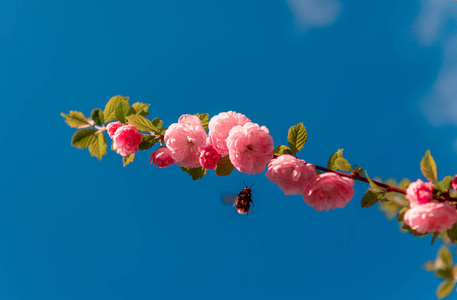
{"points": [[161, 158]]}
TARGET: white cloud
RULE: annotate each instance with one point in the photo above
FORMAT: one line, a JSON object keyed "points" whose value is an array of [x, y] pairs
{"points": [[440, 104], [314, 13]]}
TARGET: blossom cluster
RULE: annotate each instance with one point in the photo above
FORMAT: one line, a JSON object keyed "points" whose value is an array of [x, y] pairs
{"points": [[427, 215], [250, 150]]}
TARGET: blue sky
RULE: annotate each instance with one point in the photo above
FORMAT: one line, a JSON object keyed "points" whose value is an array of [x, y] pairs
{"points": [[377, 79]]}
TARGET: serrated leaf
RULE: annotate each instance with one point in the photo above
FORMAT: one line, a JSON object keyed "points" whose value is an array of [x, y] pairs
{"points": [[282, 149], [342, 164], [128, 159], [98, 146], [122, 110], [205, 120], [369, 199], [428, 167], [224, 166], [83, 138], [446, 256], [376, 188], [139, 108], [443, 184], [97, 116], [331, 160], [195, 173], [445, 289], [110, 107], [157, 123], [141, 123], [147, 142], [75, 119], [452, 233], [297, 137]]}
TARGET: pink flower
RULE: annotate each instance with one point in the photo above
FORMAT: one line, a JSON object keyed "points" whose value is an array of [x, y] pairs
{"points": [[250, 148], [290, 173], [112, 127], [126, 140], [220, 126], [328, 190], [419, 192], [454, 182], [209, 157], [184, 139], [161, 158], [431, 217]]}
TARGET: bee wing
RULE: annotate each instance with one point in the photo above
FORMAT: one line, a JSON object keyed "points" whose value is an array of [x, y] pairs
{"points": [[229, 199]]}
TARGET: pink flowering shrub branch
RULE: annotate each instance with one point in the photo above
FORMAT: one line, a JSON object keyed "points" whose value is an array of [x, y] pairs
{"points": [[230, 141]]}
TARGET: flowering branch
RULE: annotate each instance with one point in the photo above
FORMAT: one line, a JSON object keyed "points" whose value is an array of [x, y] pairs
{"points": [[235, 142]]}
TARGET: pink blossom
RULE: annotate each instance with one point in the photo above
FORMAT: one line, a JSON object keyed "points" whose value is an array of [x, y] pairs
{"points": [[419, 192], [290, 173], [184, 139], [209, 157], [161, 158], [126, 140], [250, 148], [220, 126], [328, 190], [112, 127], [454, 182], [431, 217]]}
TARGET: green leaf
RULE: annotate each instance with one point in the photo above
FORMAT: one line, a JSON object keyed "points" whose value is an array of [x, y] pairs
{"points": [[139, 108], [342, 164], [428, 167], [122, 110], [412, 231], [444, 273], [282, 149], [436, 234], [128, 159], [445, 289], [401, 214], [97, 116], [157, 123], [404, 183], [452, 233], [148, 142], [75, 119], [444, 184], [83, 138], [331, 160], [195, 173], [205, 120], [224, 166], [376, 188], [110, 107], [297, 137], [141, 123], [446, 256], [359, 171], [98, 146], [430, 266], [369, 199], [318, 172]]}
